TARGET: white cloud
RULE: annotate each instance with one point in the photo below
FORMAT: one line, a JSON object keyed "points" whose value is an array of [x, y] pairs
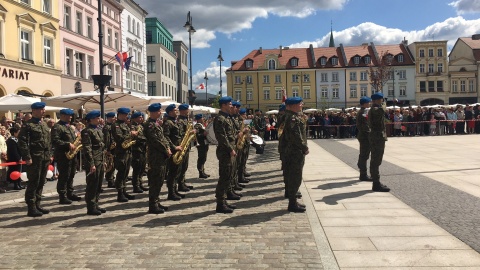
{"points": [[213, 74], [466, 6]]}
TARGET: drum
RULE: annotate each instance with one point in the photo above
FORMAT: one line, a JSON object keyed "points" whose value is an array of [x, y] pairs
{"points": [[211, 134], [258, 143]]}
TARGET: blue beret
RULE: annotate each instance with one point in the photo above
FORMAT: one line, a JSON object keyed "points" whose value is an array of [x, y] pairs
{"points": [[243, 111], [237, 104], [364, 100], [225, 100], [92, 114], [136, 114], [155, 107], [67, 112], [198, 116], [377, 96], [183, 107], [293, 100], [123, 110], [110, 115], [282, 107], [170, 108], [38, 105]]}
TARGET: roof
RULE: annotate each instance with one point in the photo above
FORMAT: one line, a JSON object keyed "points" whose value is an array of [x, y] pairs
{"points": [[260, 56], [396, 50], [472, 43]]}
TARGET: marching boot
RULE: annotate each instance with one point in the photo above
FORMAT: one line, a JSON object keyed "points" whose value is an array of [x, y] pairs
{"points": [[294, 207], [301, 205], [232, 196], [102, 210], [173, 196], [182, 196], [165, 208], [231, 206], [365, 177], [223, 208], [183, 188], [246, 174], [243, 180], [189, 186], [237, 187], [144, 188], [110, 184], [241, 185], [298, 195], [154, 209], [202, 174], [74, 197], [64, 200], [128, 196], [33, 211], [41, 209], [237, 193], [93, 211], [121, 196], [379, 187], [137, 189]]}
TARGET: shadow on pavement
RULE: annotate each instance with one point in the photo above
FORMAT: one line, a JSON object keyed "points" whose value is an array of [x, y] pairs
{"points": [[333, 199], [328, 186], [105, 219], [250, 219], [168, 220]]}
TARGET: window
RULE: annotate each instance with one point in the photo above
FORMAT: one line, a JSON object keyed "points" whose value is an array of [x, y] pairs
{"points": [[324, 93], [402, 74], [278, 78], [116, 41], [334, 61], [403, 90], [25, 45], [138, 29], [109, 37], [128, 79], [356, 60], [278, 94], [323, 61], [294, 62], [133, 26], [47, 51], [238, 94], [440, 68], [422, 68], [151, 68], [249, 95], [439, 52], [238, 80], [109, 69], [363, 76], [249, 79], [68, 63], [439, 86], [272, 64], [335, 92], [430, 52], [140, 83], [431, 86], [423, 86], [353, 76], [400, 58], [363, 90], [462, 86], [294, 78], [335, 77], [79, 65], [471, 86], [324, 77], [422, 53], [295, 92], [391, 93], [152, 88], [46, 6], [89, 28], [306, 93], [454, 86], [431, 68], [79, 23], [66, 17], [266, 79], [353, 91], [89, 68], [266, 94], [306, 78], [149, 36], [249, 64]]}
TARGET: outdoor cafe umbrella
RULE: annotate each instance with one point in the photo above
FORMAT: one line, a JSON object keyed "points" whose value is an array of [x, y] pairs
{"points": [[16, 103]]}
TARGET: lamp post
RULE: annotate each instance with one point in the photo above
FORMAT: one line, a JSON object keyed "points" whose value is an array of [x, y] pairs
{"points": [[190, 29], [206, 88], [220, 59]]}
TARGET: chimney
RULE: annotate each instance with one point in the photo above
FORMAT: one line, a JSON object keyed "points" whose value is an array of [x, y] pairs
{"points": [[281, 48], [405, 42], [476, 37], [260, 50]]}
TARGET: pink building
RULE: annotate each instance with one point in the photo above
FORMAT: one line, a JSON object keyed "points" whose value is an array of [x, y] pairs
{"points": [[79, 43]]}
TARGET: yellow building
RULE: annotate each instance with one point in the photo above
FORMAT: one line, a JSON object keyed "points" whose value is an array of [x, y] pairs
{"points": [[29, 47]]}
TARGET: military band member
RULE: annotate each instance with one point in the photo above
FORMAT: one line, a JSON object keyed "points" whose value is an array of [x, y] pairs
{"points": [[242, 168], [377, 138], [225, 135], [362, 137], [139, 151], [202, 145], [231, 193], [34, 142], [93, 151], [259, 123], [294, 150], [63, 137], [109, 146], [182, 122], [158, 154], [123, 156], [172, 133]]}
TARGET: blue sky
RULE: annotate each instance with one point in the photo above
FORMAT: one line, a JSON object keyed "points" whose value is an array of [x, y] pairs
{"points": [[241, 26]]}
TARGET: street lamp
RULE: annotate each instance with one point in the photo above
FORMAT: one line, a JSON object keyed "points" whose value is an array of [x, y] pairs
{"points": [[190, 29], [206, 88], [101, 80], [220, 59]]}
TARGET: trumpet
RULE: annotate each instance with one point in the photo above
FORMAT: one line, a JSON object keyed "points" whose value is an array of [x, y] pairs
{"points": [[186, 140], [129, 142], [78, 146]]}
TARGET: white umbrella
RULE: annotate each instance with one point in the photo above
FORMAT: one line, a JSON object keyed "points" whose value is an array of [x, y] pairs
{"points": [[203, 109], [272, 112], [310, 110], [15, 103]]}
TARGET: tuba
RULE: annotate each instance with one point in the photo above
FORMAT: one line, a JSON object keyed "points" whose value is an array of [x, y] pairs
{"points": [[78, 146], [186, 140], [129, 142]]}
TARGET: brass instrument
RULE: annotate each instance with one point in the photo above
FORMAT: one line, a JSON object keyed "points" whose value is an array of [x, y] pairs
{"points": [[186, 140], [280, 129], [129, 142], [113, 145], [78, 146], [242, 140], [108, 165]]}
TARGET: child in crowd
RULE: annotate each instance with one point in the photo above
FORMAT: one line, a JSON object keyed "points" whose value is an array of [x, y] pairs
{"points": [[433, 124]]}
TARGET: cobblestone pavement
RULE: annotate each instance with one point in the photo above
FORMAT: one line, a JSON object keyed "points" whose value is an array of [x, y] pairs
{"points": [[454, 210], [260, 234]]}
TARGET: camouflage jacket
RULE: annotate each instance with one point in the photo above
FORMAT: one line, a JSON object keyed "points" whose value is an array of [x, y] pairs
{"points": [[140, 140], [93, 146], [201, 138], [224, 131], [376, 122], [171, 130], [362, 124], [120, 133], [62, 136], [294, 133], [34, 140], [107, 135], [155, 138]]}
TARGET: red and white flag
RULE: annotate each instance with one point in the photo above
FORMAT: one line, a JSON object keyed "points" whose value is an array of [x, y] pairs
{"points": [[284, 95], [201, 86]]}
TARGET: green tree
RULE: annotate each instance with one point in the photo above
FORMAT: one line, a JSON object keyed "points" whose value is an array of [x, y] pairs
{"points": [[215, 103]]}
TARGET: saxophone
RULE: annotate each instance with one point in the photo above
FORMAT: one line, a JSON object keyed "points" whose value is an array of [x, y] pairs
{"points": [[186, 140], [78, 146], [242, 140], [108, 165], [129, 142]]}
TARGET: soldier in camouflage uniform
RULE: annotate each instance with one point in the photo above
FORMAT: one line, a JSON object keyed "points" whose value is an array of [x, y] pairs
{"points": [[242, 116], [93, 151], [377, 138], [362, 137], [139, 151], [294, 150], [158, 154], [259, 123], [63, 137], [225, 135], [232, 194], [174, 137], [123, 157], [109, 146], [182, 123], [34, 142], [202, 145]]}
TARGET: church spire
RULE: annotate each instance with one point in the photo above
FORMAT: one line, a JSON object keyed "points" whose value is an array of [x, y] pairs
{"points": [[332, 43]]}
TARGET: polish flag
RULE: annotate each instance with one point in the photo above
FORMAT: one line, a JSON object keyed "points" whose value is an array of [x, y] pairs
{"points": [[284, 95], [201, 86]]}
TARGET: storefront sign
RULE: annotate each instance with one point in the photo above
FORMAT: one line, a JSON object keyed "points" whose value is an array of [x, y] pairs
{"points": [[13, 74]]}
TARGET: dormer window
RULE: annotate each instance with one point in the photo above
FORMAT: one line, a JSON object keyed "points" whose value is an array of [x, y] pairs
{"points": [[323, 61], [294, 62], [249, 64], [400, 58], [272, 64], [367, 60], [389, 59], [356, 60], [334, 61]]}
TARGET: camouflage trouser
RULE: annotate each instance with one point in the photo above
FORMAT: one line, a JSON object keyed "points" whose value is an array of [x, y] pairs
{"points": [[172, 175], [293, 161], [236, 168], [94, 185], [109, 175], [156, 176], [36, 173], [377, 147], [66, 172], [139, 160], [247, 153], [202, 157], [183, 168], [363, 155], [122, 164], [226, 165]]}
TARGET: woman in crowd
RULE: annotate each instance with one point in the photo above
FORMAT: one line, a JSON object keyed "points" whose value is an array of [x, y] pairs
{"points": [[13, 155]]}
